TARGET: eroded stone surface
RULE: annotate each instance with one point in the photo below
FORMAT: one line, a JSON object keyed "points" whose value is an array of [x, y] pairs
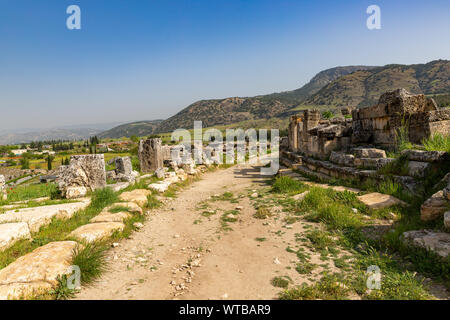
{"points": [[377, 200], [138, 196], [111, 217], [418, 169], [96, 231], [36, 271], [426, 156], [150, 154], [433, 207], [132, 207], [438, 242], [372, 153], [10, 233], [447, 220], [37, 217], [86, 171]]}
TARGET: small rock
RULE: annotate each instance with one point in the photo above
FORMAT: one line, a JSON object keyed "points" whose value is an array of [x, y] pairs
{"points": [[176, 236], [254, 195], [355, 210], [225, 296], [276, 261], [239, 207], [115, 244], [138, 225]]}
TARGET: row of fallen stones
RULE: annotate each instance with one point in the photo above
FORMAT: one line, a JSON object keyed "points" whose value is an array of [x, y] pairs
{"points": [[435, 207], [38, 271]]}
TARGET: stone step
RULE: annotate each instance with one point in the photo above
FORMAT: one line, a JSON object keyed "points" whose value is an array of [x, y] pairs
{"points": [[139, 196], [377, 200], [96, 231], [307, 171], [438, 242], [37, 271], [38, 217], [10, 233]]}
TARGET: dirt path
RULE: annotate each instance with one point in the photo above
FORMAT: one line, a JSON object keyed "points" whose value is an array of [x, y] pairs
{"points": [[181, 254]]}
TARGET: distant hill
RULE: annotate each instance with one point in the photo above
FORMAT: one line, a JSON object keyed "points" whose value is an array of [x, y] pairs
{"points": [[231, 110], [140, 128], [340, 86], [364, 87], [46, 135], [318, 82]]}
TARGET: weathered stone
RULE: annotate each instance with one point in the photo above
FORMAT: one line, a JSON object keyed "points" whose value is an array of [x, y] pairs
{"points": [[124, 166], [111, 217], [96, 231], [439, 242], [3, 195], [111, 175], [75, 192], [37, 271], [377, 200], [369, 153], [138, 196], [418, 169], [118, 186], [447, 220], [10, 233], [131, 206], [342, 158], [150, 154], [300, 196], [434, 207], [159, 173], [83, 171], [37, 217], [426, 156], [159, 186]]}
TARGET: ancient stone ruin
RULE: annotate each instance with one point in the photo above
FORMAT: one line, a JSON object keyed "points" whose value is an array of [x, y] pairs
{"points": [[380, 123], [355, 150], [150, 155], [124, 171], [84, 173]]}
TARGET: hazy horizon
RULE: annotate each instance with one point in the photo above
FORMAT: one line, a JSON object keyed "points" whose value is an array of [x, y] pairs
{"points": [[135, 60]]}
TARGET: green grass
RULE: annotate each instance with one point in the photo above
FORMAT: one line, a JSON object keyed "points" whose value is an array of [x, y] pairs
{"points": [[327, 288], [437, 142], [287, 185], [153, 202], [280, 282], [91, 259], [59, 229], [27, 192], [262, 213]]}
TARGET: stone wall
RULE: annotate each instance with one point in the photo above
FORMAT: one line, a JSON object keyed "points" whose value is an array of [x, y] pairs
{"points": [[379, 124], [311, 136]]}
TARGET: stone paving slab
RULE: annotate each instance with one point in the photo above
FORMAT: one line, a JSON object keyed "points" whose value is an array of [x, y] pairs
{"points": [[377, 200], [132, 207], [111, 217], [96, 231], [36, 271], [139, 196], [10, 233], [38, 217], [335, 188]]}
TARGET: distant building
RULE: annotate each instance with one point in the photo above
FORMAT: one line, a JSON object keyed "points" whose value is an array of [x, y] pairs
{"points": [[19, 152]]}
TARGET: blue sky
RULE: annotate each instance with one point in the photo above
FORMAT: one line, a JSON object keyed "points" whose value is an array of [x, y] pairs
{"points": [[148, 59]]}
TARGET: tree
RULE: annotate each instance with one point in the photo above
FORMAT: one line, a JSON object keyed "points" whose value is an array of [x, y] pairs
{"points": [[49, 161]]}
